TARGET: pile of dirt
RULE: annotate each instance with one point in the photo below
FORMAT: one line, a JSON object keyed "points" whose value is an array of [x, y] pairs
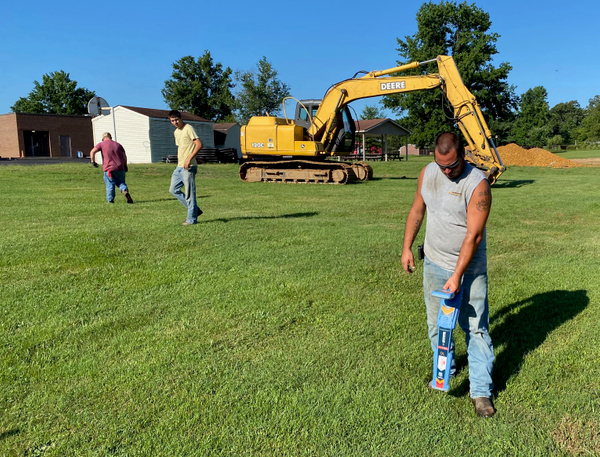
{"points": [[513, 154]]}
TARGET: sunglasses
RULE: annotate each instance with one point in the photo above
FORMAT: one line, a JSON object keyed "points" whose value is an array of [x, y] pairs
{"points": [[451, 166]]}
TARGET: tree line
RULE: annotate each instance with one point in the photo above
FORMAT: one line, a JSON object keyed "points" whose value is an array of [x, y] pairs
{"points": [[199, 86], [212, 91]]}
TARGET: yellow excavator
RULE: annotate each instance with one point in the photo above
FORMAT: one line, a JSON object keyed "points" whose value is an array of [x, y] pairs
{"points": [[284, 150]]}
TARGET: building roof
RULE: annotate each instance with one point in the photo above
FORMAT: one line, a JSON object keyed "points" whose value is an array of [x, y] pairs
{"points": [[163, 113], [380, 127], [46, 114], [223, 127]]}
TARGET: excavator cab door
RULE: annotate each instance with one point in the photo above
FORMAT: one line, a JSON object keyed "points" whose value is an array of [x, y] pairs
{"points": [[345, 132]]}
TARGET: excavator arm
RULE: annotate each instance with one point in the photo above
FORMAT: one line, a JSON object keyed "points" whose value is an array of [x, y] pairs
{"points": [[481, 151]]}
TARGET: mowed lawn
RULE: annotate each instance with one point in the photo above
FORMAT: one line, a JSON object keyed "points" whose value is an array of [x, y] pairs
{"points": [[283, 324]]}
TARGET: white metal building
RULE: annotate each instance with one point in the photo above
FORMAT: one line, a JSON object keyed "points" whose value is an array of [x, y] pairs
{"points": [[147, 134]]}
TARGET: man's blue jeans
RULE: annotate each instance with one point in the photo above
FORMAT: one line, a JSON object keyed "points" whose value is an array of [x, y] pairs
{"points": [[186, 178], [116, 178], [473, 319]]}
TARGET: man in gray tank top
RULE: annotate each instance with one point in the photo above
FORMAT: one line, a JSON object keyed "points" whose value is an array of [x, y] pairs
{"points": [[456, 198]]}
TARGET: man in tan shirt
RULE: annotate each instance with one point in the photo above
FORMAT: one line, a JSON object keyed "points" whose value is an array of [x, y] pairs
{"points": [[188, 145]]}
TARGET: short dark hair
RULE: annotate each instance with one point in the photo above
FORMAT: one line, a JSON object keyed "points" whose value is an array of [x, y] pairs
{"points": [[174, 113], [448, 141]]}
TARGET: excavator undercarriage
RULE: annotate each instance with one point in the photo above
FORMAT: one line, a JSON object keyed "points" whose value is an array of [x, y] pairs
{"points": [[305, 172]]}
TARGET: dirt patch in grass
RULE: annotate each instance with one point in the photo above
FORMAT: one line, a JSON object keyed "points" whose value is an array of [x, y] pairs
{"points": [[577, 436], [515, 155], [593, 161]]}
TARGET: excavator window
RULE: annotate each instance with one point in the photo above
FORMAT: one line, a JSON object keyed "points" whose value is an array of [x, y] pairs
{"points": [[304, 113]]}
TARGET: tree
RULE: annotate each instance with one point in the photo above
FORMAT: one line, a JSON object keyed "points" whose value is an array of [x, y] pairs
{"points": [[531, 128], [555, 141], [565, 119], [372, 112], [590, 125], [200, 87], [459, 30], [57, 94], [261, 92]]}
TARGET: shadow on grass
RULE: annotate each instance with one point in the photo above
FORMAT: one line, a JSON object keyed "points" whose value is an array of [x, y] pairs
{"points": [[166, 199], [153, 201], [283, 216], [10, 433], [394, 178], [522, 327], [511, 184]]}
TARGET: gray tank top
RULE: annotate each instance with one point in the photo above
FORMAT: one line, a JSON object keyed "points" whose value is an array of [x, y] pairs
{"points": [[446, 225]]}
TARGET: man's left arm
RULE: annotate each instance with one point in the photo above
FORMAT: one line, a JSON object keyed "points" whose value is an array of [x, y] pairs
{"points": [[477, 215]]}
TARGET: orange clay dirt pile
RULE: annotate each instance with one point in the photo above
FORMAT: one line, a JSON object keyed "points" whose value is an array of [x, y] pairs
{"points": [[515, 155]]}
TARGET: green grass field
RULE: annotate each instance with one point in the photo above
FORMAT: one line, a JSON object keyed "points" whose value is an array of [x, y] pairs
{"points": [[579, 154], [282, 324]]}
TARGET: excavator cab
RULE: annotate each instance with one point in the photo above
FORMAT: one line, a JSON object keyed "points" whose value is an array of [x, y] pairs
{"points": [[306, 111], [345, 127]]}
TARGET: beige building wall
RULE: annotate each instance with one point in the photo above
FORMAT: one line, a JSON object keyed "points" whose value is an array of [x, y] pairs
{"points": [[412, 150], [9, 137]]}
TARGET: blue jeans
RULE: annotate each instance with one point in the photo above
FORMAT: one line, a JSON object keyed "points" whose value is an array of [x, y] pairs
{"points": [[473, 319], [117, 179], [186, 177]]}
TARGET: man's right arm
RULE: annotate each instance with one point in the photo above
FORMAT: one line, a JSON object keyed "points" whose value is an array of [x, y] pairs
{"points": [[93, 154], [413, 225]]}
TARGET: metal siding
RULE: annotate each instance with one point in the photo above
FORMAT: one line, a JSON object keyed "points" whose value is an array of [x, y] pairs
{"points": [[204, 130], [133, 133], [233, 138], [101, 124], [161, 139]]}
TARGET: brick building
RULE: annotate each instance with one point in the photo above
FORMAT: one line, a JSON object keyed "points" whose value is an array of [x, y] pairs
{"points": [[44, 135]]}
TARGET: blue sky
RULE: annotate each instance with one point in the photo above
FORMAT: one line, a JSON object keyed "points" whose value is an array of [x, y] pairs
{"points": [[124, 50]]}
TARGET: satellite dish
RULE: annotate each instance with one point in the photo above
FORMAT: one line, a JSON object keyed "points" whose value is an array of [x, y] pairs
{"points": [[96, 105]]}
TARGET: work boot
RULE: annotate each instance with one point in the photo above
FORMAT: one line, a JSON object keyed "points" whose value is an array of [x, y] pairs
{"points": [[484, 407], [127, 196]]}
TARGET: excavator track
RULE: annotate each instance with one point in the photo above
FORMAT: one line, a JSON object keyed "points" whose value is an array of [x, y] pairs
{"points": [[305, 172]]}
